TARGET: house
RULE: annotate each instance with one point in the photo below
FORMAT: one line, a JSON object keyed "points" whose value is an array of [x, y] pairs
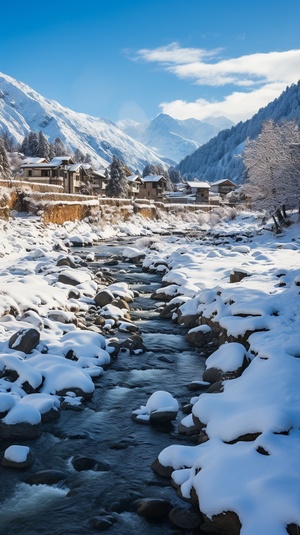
{"points": [[134, 185], [99, 181], [222, 187], [153, 187], [61, 170], [199, 189]]}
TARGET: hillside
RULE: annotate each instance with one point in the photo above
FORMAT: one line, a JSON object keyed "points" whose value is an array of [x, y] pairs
{"points": [[219, 158], [172, 138], [22, 109]]}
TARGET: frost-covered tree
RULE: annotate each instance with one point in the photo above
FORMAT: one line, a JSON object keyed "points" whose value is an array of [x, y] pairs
{"points": [[78, 156], [43, 146], [9, 142], [272, 163], [158, 169], [5, 168], [174, 175], [58, 148], [117, 185]]}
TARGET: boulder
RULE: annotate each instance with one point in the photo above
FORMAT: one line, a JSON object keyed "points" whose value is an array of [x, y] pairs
{"points": [[87, 463], [46, 477], [237, 275], [20, 431], [185, 519], [161, 470], [154, 508], [162, 417], [19, 457], [105, 297], [21, 423], [226, 522], [66, 261], [200, 336], [24, 340], [101, 523]]}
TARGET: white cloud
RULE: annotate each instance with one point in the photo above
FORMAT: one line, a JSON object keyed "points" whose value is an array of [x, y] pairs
{"points": [[238, 106], [173, 53], [263, 76]]}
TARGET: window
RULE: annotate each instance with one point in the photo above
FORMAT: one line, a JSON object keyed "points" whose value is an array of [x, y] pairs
{"points": [[44, 172], [29, 172]]}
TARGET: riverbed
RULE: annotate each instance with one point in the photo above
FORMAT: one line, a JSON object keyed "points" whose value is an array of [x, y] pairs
{"points": [[105, 432]]}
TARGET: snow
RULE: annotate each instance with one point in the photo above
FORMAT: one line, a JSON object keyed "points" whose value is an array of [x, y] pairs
{"points": [[228, 357], [33, 112], [159, 401], [17, 454], [259, 479]]}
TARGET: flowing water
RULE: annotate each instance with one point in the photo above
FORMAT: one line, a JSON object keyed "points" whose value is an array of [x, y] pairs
{"points": [[105, 431]]}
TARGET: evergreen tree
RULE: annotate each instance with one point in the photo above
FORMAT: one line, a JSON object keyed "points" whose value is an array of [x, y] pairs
{"points": [[174, 175], [24, 146], [43, 146], [5, 168], [33, 144], [117, 185]]}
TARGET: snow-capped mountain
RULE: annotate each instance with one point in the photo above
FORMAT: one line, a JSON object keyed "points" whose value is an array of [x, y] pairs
{"points": [[22, 110], [220, 158], [171, 138]]}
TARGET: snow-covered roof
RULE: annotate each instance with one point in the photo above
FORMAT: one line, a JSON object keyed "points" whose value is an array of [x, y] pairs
{"points": [[132, 178], [218, 182], [74, 166], [198, 184], [100, 173], [37, 166], [153, 178], [34, 160], [58, 160]]}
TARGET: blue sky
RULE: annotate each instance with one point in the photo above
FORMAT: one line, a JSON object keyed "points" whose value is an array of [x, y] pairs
{"points": [[136, 58]]}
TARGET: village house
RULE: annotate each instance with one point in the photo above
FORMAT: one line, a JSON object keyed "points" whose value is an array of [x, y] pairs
{"points": [[222, 187], [153, 188], [199, 189], [134, 186], [61, 170], [99, 181]]}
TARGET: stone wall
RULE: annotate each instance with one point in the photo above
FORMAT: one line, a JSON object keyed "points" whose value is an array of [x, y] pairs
{"points": [[55, 206]]}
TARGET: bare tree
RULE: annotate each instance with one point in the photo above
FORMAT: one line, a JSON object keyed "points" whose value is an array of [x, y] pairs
{"points": [[273, 167]]}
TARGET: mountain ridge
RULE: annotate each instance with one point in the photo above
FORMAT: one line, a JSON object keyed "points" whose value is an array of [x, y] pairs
{"points": [[173, 138], [22, 109], [220, 159]]}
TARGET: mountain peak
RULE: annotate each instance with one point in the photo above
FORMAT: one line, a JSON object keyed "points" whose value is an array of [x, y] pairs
{"points": [[22, 109]]}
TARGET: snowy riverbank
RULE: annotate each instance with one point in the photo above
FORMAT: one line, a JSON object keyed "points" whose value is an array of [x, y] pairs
{"points": [[247, 467]]}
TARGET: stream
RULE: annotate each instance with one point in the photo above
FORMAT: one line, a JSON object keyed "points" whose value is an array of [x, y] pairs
{"points": [[105, 431]]}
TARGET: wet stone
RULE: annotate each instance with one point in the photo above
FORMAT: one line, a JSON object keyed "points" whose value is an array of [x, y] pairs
{"points": [[87, 463], [101, 523], [153, 508], [46, 477], [185, 519]]}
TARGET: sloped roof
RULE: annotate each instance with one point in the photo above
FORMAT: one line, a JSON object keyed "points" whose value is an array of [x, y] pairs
{"points": [[153, 178], [58, 160], [133, 178], [218, 182], [198, 184], [34, 160]]}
